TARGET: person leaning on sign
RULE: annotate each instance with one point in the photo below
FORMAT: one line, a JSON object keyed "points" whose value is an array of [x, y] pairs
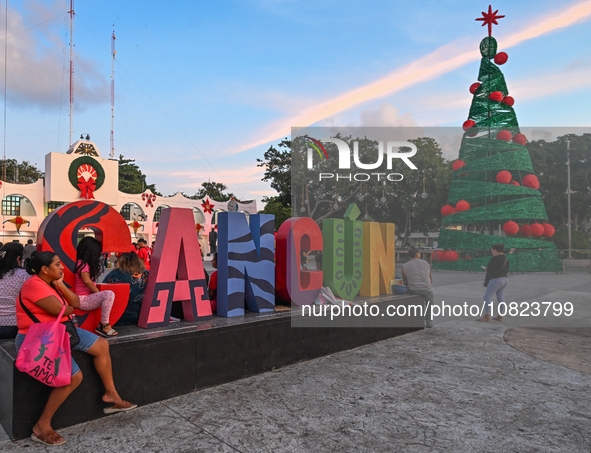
{"points": [[416, 274], [44, 295]]}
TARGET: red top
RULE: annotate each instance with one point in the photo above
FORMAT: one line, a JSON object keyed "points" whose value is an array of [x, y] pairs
{"points": [[33, 290], [144, 254], [213, 284]]}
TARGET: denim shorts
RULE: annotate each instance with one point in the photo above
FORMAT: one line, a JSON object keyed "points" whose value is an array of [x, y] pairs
{"points": [[87, 339]]}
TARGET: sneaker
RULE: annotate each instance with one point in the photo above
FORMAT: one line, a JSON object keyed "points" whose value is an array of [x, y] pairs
{"points": [[429, 324]]}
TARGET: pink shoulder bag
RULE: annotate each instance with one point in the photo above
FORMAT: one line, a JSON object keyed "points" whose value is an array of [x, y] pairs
{"points": [[45, 354]]}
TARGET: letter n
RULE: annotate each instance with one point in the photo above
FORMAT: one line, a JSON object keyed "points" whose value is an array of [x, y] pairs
{"points": [[246, 267], [378, 258], [299, 286], [176, 272]]}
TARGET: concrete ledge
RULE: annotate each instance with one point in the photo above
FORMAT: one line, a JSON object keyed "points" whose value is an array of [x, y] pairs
{"points": [[157, 364], [576, 264]]}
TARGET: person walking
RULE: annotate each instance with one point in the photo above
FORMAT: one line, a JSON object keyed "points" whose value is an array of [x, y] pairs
{"points": [[496, 281], [29, 249], [416, 274]]}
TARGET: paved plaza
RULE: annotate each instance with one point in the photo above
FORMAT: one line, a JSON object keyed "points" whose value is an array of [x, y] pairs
{"points": [[462, 386]]}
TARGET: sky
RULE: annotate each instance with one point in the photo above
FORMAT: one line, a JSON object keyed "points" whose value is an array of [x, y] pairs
{"points": [[203, 89]]}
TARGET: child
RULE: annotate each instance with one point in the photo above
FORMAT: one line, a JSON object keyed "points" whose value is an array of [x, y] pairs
{"points": [[213, 285], [88, 269]]}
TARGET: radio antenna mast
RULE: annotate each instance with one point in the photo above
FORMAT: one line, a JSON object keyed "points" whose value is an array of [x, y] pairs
{"points": [[113, 54], [72, 14]]}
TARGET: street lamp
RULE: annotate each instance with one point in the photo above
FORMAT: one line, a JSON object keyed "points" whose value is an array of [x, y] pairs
{"points": [[568, 197]]}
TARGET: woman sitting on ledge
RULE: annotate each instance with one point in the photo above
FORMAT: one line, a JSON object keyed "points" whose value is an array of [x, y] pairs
{"points": [[44, 295], [12, 278], [130, 269]]}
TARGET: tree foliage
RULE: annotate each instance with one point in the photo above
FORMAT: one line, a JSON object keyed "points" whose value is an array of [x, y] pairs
{"points": [[131, 178], [275, 207], [277, 164], [22, 172], [214, 190], [549, 159]]}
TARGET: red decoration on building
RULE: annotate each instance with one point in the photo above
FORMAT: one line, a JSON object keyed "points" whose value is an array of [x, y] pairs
{"points": [[509, 101], [496, 96], [504, 177], [149, 198], [548, 230], [489, 19], [136, 226], [198, 227], [504, 135], [519, 139], [451, 256], [525, 230], [87, 187], [462, 205], [510, 228], [468, 124], [207, 206], [447, 210], [531, 181], [501, 58], [18, 223], [515, 183], [458, 164], [474, 87], [536, 229]]}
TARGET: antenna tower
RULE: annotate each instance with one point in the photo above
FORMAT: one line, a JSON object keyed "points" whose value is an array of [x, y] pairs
{"points": [[113, 54], [72, 14]]}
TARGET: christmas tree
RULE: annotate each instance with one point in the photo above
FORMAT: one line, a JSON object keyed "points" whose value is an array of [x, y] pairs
{"points": [[494, 191]]}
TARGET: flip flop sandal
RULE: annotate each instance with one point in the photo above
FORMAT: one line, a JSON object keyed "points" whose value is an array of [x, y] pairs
{"points": [[114, 410], [40, 439]]}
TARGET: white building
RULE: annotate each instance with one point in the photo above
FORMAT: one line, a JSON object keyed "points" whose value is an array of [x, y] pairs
{"points": [[81, 173]]}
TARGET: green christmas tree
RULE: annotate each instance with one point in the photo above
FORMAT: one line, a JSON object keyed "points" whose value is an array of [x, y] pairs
{"points": [[494, 191]]}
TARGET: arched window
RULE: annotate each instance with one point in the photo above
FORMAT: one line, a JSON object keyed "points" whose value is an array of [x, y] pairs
{"points": [[17, 205], [132, 211], [159, 211]]}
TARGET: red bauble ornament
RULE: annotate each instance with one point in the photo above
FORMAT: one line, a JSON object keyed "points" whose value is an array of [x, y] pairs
{"points": [[474, 87], [509, 101], [519, 139], [462, 205], [473, 132], [515, 183], [451, 256], [447, 210], [531, 181], [468, 124], [441, 256], [458, 164], [501, 58], [510, 228], [536, 229], [524, 230], [504, 177], [496, 96], [549, 230], [504, 135]]}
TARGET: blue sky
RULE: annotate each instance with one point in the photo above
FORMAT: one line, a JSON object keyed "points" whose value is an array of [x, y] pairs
{"points": [[197, 83]]}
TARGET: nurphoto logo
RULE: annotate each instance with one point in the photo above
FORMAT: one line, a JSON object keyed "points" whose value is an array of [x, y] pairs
{"points": [[386, 150]]}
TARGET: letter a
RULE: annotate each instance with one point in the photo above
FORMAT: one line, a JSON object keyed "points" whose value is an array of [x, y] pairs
{"points": [[176, 252]]}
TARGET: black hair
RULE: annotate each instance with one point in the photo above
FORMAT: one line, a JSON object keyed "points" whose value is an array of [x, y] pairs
{"points": [[89, 252], [142, 240], [215, 256], [499, 248], [318, 258], [8, 257], [30, 241], [38, 260], [412, 252]]}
